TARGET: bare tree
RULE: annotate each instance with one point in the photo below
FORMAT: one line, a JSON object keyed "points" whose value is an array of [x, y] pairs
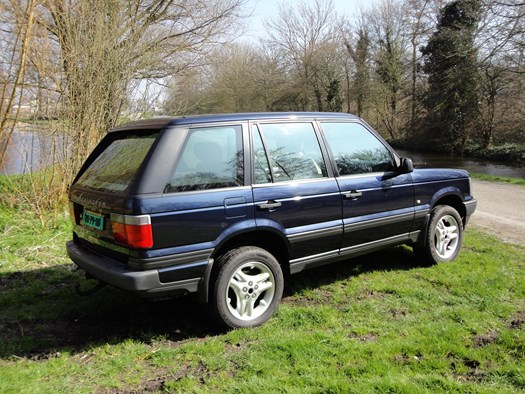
{"points": [[501, 43], [104, 45], [421, 17], [87, 55], [387, 25], [307, 40], [15, 43]]}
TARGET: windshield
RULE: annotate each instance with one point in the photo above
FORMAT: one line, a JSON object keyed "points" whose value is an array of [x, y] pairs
{"points": [[116, 167]]}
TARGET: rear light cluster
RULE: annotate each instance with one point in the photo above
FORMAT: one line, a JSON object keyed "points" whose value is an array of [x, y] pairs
{"points": [[132, 231]]}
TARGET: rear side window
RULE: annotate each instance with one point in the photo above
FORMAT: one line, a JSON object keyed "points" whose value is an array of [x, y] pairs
{"points": [[356, 150], [292, 152], [211, 158], [116, 167]]}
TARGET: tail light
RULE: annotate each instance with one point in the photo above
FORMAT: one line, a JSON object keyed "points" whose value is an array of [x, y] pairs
{"points": [[132, 231]]}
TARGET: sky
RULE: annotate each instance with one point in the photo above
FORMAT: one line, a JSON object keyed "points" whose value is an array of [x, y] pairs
{"points": [[266, 9]]}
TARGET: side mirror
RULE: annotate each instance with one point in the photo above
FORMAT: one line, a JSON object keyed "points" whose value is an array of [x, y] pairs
{"points": [[406, 165]]}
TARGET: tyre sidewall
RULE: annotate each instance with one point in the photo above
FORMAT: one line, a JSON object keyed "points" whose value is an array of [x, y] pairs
{"points": [[436, 216], [229, 263]]}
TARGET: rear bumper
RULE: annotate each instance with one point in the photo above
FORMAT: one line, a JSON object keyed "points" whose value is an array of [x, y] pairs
{"points": [[145, 283]]}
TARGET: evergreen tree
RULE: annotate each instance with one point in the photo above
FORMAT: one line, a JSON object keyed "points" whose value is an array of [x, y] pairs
{"points": [[450, 61], [361, 58]]}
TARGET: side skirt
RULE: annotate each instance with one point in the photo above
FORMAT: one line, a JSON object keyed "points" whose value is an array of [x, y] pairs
{"points": [[298, 265]]}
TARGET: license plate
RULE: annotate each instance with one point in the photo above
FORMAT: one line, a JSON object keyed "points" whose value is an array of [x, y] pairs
{"points": [[93, 220]]}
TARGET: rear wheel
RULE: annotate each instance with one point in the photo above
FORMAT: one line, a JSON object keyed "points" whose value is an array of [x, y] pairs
{"points": [[444, 236], [248, 287]]}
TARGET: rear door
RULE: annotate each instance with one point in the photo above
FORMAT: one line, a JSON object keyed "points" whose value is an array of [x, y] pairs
{"points": [[294, 192], [205, 199], [378, 201]]}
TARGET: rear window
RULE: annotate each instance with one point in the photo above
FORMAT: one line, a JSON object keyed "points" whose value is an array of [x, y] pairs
{"points": [[116, 167]]}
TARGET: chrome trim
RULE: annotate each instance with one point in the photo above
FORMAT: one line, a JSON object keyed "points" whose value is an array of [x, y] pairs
{"points": [[293, 181], [313, 258], [368, 223], [374, 244], [307, 235]]}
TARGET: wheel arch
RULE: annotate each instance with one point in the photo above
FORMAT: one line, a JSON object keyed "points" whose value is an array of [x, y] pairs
{"points": [[450, 198], [453, 200], [266, 239]]}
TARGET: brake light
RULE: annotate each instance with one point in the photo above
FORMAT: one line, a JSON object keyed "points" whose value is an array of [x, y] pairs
{"points": [[132, 231]]}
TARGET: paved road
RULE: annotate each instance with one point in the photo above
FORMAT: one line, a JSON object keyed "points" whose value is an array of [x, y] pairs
{"points": [[500, 210]]}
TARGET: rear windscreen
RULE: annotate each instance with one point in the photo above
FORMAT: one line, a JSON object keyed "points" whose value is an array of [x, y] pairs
{"points": [[116, 167]]}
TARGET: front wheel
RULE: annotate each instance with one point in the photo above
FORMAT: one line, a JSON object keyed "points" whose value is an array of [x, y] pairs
{"points": [[248, 287], [444, 236]]}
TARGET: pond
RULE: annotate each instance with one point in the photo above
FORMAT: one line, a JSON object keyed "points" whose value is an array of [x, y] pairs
{"points": [[476, 165], [30, 150]]}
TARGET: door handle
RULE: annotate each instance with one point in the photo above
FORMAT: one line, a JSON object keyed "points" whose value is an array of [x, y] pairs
{"points": [[269, 205], [353, 194]]}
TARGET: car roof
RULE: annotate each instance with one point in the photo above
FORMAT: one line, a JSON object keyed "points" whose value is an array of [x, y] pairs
{"points": [[158, 123]]}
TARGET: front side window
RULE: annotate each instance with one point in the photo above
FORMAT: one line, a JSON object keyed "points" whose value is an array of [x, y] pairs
{"points": [[293, 152], [356, 150], [117, 165], [211, 158]]}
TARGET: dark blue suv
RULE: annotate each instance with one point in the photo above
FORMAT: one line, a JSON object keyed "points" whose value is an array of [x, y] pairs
{"points": [[224, 205]]}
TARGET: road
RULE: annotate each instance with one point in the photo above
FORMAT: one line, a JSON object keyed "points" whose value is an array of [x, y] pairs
{"points": [[500, 210]]}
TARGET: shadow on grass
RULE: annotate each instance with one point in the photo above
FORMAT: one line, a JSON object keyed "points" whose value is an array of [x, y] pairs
{"points": [[42, 316], [399, 258]]}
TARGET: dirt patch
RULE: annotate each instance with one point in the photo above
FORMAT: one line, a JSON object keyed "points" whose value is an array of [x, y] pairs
{"points": [[368, 337], [517, 321], [485, 339]]}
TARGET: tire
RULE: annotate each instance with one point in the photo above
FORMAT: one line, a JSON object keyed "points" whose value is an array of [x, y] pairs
{"points": [[444, 236], [248, 287]]}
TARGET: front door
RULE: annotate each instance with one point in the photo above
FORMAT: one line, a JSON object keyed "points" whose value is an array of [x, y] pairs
{"points": [[378, 201]]}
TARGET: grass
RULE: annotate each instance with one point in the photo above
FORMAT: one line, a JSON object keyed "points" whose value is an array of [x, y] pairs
{"points": [[379, 323], [495, 178]]}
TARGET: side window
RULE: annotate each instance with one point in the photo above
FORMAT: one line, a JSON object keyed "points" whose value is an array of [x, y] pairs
{"points": [[293, 151], [211, 158], [356, 150]]}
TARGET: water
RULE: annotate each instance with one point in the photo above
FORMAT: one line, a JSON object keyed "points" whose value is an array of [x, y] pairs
{"points": [[30, 150], [476, 165]]}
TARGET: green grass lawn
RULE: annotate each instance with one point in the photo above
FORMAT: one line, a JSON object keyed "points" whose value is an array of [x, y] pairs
{"points": [[495, 178], [379, 323]]}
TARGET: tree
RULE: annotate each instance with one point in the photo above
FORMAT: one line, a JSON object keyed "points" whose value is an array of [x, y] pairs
{"points": [[14, 68], [307, 41], [500, 42], [239, 78], [360, 55], [387, 22], [451, 65], [92, 51], [420, 20]]}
